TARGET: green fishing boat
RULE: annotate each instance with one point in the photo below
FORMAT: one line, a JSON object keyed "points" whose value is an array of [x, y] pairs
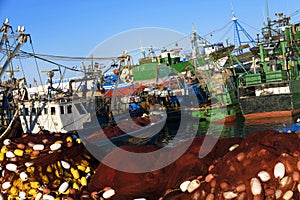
{"points": [[272, 86]]}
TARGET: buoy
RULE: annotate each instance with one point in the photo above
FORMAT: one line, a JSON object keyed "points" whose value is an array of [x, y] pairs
{"points": [[116, 72]]}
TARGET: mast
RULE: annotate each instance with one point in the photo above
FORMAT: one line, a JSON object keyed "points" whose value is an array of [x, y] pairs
{"points": [[268, 19]]}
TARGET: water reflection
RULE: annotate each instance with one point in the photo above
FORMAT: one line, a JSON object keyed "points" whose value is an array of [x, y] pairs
{"points": [[239, 128]]}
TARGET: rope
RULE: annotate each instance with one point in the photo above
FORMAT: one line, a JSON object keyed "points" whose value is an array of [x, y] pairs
{"points": [[4, 134]]}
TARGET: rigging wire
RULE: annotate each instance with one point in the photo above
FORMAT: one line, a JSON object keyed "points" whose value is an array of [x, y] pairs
{"points": [[217, 30], [22, 69], [37, 66]]}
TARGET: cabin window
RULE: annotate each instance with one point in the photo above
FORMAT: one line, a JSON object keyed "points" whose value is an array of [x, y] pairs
{"points": [[46, 111], [62, 110], [52, 110], [39, 111], [26, 111], [69, 109], [80, 108]]}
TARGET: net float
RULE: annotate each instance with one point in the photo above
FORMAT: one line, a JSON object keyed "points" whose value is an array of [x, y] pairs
{"points": [[264, 176], [6, 185], [19, 152], [10, 154], [296, 176], [28, 164], [69, 144], [21, 146], [256, 187], [4, 149], [2, 156], [55, 146], [87, 170], [75, 173], [233, 147], [33, 192], [194, 184], [7, 142], [209, 177], [35, 184], [11, 167], [59, 142], [210, 196], [38, 147], [30, 144], [240, 188], [184, 185], [24, 176], [285, 181], [38, 196], [65, 164], [48, 197], [14, 190], [229, 195], [288, 195], [83, 181], [69, 139], [75, 186], [63, 187], [279, 170], [45, 141], [81, 167], [22, 195], [108, 193]]}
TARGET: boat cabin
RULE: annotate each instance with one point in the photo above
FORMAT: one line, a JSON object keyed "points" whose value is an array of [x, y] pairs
{"points": [[59, 115]]}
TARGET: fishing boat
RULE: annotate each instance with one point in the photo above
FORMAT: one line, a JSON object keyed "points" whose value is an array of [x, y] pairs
{"points": [[221, 105], [271, 88], [69, 105]]}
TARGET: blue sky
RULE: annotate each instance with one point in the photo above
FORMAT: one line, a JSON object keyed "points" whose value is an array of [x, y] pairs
{"points": [[75, 28]]}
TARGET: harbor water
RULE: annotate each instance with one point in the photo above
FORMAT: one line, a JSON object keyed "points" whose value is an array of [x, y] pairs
{"points": [[239, 128]]}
